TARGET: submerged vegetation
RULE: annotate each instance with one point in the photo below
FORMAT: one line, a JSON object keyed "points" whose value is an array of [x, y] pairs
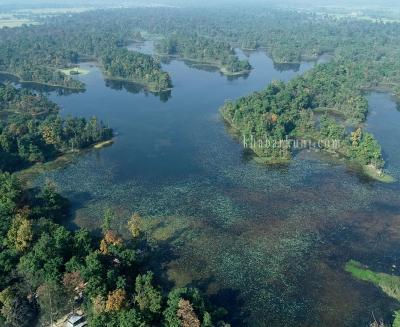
{"points": [[47, 271], [287, 112], [326, 103]]}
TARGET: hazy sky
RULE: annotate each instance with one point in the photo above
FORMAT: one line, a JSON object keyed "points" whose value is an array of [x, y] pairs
{"points": [[20, 4]]}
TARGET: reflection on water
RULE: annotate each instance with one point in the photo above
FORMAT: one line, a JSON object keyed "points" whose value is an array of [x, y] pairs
{"points": [[37, 87], [4, 77], [148, 47], [284, 67], [384, 123], [267, 242], [131, 87]]}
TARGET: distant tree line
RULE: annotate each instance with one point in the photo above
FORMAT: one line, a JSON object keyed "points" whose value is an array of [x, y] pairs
{"points": [[38, 53]]}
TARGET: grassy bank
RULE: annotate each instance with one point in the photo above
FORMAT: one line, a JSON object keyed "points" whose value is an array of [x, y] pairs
{"points": [[10, 23], [11, 20], [272, 161], [226, 72], [389, 284], [377, 174], [103, 144]]}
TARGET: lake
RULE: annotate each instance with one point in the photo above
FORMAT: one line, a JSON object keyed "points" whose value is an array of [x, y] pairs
{"points": [[267, 243]]}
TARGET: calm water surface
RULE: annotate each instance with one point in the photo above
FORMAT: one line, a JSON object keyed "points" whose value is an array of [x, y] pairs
{"points": [[267, 243]]}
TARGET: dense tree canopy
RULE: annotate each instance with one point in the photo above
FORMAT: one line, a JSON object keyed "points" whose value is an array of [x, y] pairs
{"points": [[204, 50], [135, 67], [45, 269], [285, 113], [39, 53], [33, 131]]}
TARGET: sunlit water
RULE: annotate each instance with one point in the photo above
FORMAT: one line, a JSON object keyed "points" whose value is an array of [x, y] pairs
{"points": [[267, 243]]}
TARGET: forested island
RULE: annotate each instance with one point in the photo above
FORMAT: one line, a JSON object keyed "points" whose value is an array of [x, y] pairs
{"points": [[136, 67], [308, 108], [204, 51]]}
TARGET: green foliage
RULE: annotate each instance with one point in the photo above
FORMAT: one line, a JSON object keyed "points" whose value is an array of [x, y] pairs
{"points": [[19, 236], [124, 318], [367, 151], [50, 204], [389, 284], [277, 112], [366, 50], [107, 220], [52, 300], [40, 54], [396, 321], [147, 297], [37, 266], [329, 128], [204, 50], [365, 57], [285, 111], [10, 193], [34, 132], [17, 310], [171, 318], [135, 67], [56, 265]]}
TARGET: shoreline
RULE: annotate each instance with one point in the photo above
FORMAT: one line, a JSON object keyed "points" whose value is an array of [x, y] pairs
{"points": [[221, 68], [21, 81], [106, 76], [366, 170], [147, 87], [28, 174], [103, 144], [377, 174]]}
